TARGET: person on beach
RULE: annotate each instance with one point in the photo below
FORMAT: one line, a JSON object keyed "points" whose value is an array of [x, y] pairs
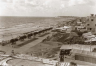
{"points": [[31, 54]]}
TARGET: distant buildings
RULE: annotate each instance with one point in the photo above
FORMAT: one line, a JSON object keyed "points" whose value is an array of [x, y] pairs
{"points": [[64, 29], [86, 23], [80, 25]]}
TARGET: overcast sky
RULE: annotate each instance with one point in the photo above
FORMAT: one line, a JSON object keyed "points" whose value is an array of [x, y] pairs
{"points": [[47, 7]]}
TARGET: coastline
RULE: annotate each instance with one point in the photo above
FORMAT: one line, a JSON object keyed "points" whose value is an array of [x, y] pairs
{"points": [[15, 31]]}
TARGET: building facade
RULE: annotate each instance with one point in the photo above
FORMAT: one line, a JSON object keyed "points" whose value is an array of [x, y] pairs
{"points": [[91, 23]]}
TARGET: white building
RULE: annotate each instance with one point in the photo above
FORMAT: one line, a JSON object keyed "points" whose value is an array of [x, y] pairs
{"points": [[91, 23]]}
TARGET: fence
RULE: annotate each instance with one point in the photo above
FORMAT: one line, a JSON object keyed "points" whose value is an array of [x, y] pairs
{"points": [[46, 62]]}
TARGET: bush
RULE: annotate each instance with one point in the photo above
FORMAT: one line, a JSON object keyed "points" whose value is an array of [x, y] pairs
{"points": [[78, 32]]}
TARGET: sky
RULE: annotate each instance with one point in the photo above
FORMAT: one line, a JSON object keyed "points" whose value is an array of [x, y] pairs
{"points": [[47, 7]]}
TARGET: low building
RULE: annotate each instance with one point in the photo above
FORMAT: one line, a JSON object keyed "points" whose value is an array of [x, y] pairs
{"points": [[65, 49], [79, 54], [66, 29], [84, 56], [78, 47]]}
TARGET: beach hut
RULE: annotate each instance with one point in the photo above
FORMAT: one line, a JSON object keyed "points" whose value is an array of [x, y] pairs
{"points": [[22, 37], [39, 32], [42, 31], [14, 40], [35, 33], [29, 35]]}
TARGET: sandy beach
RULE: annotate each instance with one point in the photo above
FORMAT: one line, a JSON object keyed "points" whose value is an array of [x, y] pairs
{"points": [[13, 32]]}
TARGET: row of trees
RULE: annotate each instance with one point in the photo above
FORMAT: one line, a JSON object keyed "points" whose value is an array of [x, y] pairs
{"points": [[28, 35]]}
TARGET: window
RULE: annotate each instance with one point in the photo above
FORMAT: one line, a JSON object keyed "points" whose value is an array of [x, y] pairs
{"points": [[80, 20], [90, 28], [92, 20], [87, 24]]}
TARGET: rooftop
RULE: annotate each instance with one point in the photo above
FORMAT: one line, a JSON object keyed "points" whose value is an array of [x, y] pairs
{"points": [[79, 47]]}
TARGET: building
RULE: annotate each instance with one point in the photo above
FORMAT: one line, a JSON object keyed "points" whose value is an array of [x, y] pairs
{"points": [[65, 49], [79, 54], [84, 57], [91, 23]]}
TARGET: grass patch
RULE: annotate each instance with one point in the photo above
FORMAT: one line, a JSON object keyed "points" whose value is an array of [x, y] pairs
{"points": [[49, 50]]}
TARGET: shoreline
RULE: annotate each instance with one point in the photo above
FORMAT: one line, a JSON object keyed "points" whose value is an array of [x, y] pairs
{"points": [[17, 30]]}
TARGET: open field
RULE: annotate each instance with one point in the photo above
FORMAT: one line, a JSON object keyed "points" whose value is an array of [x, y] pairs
{"points": [[46, 49], [23, 48]]}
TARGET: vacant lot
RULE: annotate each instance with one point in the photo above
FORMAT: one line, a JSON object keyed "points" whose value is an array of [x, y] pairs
{"points": [[46, 49]]}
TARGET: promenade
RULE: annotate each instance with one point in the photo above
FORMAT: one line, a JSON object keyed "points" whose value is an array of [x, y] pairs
{"points": [[24, 48]]}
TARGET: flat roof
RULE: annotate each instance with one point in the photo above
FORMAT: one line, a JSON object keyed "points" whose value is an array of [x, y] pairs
{"points": [[82, 52], [79, 47]]}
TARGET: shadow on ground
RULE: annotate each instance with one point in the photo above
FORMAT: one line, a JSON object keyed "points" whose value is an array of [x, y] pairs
{"points": [[24, 43]]}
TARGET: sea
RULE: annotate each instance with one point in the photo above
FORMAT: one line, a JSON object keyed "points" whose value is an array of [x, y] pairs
{"points": [[12, 26], [9, 21]]}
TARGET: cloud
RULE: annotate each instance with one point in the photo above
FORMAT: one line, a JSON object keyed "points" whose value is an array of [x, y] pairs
{"points": [[3, 0], [62, 6], [76, 2], [43, 7], [55, 4]]}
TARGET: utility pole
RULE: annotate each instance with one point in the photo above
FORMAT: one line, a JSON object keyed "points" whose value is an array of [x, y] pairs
{"points": [[90, 46], [42, 52], [12, 35]]}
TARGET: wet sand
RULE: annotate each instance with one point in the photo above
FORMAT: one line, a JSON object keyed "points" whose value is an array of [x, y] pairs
{"points": [[13, 32]]}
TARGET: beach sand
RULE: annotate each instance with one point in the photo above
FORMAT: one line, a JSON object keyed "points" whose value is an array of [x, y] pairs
{"points": [[13, 32]]}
